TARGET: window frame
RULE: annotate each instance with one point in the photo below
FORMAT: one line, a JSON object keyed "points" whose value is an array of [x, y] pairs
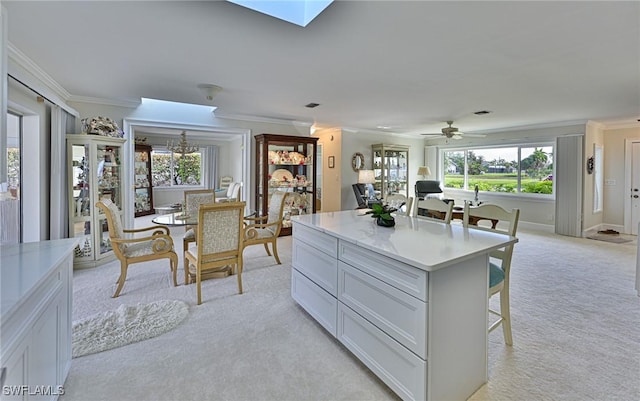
{"points": [[203, 154], [472, 147]]}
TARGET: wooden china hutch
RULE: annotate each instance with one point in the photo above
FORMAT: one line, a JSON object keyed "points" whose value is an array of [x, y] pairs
{"points": [[286, 163]]}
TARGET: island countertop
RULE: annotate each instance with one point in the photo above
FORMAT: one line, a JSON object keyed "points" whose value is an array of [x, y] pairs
{"points": [[23, 266], [424, 244]]}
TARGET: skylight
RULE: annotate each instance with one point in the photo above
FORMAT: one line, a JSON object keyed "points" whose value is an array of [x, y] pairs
{"points": [[299, 12], [176, 106]]}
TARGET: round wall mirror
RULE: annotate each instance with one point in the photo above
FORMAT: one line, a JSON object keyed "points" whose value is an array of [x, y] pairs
{"points": [[357, 162]]}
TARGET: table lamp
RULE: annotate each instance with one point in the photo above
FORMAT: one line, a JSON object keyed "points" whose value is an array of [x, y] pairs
{"points": [[368, 178], [424, 171]]}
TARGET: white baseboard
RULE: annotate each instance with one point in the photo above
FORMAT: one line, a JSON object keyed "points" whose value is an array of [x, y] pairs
{"points": [[547, 228]]}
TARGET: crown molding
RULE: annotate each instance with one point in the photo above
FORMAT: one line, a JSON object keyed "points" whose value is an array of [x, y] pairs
{"points": [[621, 125], [132, 104], [30, 66]]}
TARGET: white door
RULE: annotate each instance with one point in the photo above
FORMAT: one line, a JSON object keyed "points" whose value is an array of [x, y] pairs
{"points": [[635, 187]]}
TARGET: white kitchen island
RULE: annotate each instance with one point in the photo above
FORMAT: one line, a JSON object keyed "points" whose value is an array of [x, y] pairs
{"points": [[411, 302], [35, 318]]}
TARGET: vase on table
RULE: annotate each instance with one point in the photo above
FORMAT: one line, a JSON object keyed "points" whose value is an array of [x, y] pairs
{"points": [[385, 222]]}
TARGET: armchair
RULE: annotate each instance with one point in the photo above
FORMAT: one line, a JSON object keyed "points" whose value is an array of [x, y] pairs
{"points": [[192, 201], [220, 242], [426, 187], [232, 194], [266, 229], [158, 245]]}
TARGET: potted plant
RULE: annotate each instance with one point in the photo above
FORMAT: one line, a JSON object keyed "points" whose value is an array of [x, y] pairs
{"points": [[382, 214]]}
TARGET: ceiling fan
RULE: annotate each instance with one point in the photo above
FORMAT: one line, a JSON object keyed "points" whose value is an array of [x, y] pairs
{"points": [[452, 132]]}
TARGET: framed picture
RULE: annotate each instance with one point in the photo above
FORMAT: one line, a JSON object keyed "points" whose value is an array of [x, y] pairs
{"points": [[332, 162]]}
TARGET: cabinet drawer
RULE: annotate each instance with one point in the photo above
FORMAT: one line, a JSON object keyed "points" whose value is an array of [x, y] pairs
{"points": [[398, 314], [406, 278], [316, 301], [316, 239], [398, 367], [319, 267]]}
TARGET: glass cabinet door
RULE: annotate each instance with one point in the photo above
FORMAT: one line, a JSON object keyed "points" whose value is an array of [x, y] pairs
{"points": [[95, 173], [286, 163], [391, 167], [109, 176], [81, 200]]}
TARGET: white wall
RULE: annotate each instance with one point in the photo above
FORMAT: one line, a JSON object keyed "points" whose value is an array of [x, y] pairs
{"points": [[591, 220], [330, 139]]}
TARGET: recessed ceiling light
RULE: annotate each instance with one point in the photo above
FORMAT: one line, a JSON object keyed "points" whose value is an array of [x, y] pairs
{"points": [[312, 105], [481, 112]]}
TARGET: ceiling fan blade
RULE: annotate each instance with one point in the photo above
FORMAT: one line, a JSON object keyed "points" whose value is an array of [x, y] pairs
{"points": [[431, 134], [475, 135]]}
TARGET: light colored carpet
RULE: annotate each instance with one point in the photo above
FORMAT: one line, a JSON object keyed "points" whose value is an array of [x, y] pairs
{"points": [[576, 329], [126, 325]]}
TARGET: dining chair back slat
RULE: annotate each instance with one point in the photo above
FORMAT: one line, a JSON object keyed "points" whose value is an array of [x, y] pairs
{"points": [[434, 209]]}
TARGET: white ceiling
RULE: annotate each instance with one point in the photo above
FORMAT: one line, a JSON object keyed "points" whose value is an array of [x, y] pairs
{"points": [[405, 65]]}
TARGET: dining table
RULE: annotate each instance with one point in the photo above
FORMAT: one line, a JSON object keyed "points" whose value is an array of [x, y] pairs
{"points": [[176, 219]]}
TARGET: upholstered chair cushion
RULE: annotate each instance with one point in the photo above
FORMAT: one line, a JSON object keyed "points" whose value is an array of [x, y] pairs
{"points": [[496, 275]]}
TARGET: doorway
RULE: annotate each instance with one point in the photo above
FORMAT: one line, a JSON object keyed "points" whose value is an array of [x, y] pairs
{"points": [[238, 140], [632, 185]]}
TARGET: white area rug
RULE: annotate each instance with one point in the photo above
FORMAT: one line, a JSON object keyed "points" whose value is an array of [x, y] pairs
{"points": [[126, 325]]}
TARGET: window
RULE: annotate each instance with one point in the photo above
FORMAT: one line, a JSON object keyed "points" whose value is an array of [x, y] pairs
{"points": [[512, 169], [174, 169]]}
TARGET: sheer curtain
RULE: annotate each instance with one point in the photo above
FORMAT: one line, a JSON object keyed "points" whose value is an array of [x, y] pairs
{"points": [[61, 123], [211, 167]]}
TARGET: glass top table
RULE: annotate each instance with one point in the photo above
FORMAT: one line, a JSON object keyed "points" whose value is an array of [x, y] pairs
{"points": [[176, 219]]}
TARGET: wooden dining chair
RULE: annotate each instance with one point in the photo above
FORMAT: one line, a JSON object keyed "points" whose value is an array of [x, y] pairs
{"points": [[157, 245], [192, 201], [266, 229], [220, 242], [434, 209], [490, 217]]}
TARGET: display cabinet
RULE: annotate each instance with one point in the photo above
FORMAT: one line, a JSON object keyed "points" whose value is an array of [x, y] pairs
{"points": [[95, 172], [391, 167], [142, 181], [286, 163]]}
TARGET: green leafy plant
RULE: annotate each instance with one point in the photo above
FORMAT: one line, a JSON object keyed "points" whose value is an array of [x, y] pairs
{"points": [[383, 214]]}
